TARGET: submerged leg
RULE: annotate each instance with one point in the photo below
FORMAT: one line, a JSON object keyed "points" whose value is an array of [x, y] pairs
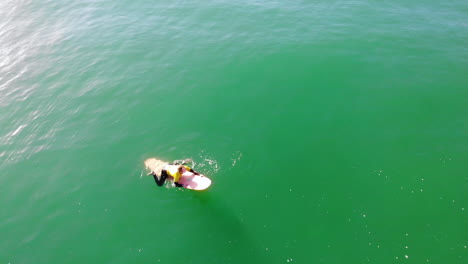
{"points": [[160, 181]]}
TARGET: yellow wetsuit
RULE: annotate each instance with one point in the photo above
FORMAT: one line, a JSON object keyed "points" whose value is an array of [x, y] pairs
{"points": [[173, 170]]}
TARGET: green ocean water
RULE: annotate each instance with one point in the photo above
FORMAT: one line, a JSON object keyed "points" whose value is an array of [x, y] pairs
{"points": [[333, 131]]}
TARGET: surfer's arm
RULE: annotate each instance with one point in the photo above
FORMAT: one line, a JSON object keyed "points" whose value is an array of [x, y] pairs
{"points": [[176, 179], [194, 172]]}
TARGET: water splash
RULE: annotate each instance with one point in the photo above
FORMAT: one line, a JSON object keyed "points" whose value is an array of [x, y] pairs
{"points": [[209, 164], [236, 157]]}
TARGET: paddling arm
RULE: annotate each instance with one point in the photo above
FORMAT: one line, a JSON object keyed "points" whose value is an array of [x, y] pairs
{"points": [[194, 172]]}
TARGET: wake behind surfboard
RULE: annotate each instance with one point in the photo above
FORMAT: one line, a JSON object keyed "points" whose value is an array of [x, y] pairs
{"points": [[189, 181]]}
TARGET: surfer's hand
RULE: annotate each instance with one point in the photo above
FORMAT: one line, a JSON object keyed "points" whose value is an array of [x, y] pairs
{"points": [[178, 184]]}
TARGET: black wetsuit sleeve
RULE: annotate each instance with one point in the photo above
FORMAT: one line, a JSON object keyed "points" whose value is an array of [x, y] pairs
{"points": [[178, 184], [194, 172]]}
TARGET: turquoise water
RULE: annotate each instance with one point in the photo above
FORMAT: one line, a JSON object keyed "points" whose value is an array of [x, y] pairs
{"points": [[333, 131]]}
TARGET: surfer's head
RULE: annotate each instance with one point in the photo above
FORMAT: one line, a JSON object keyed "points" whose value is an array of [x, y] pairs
{"points": [[181, 169]]}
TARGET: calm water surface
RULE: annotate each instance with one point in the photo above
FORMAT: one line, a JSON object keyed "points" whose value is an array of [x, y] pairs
{"points": [[333, 131]]}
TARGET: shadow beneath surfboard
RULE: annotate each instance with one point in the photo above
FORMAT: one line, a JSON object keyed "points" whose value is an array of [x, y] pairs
{"points": [[226, 232]]}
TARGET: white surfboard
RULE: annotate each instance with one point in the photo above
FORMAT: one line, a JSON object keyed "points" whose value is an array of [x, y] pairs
{"points": [[195, 182]]}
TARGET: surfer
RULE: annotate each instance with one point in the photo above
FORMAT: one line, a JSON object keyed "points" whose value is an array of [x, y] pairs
{"points": [[177, 172], [174, 170]]}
